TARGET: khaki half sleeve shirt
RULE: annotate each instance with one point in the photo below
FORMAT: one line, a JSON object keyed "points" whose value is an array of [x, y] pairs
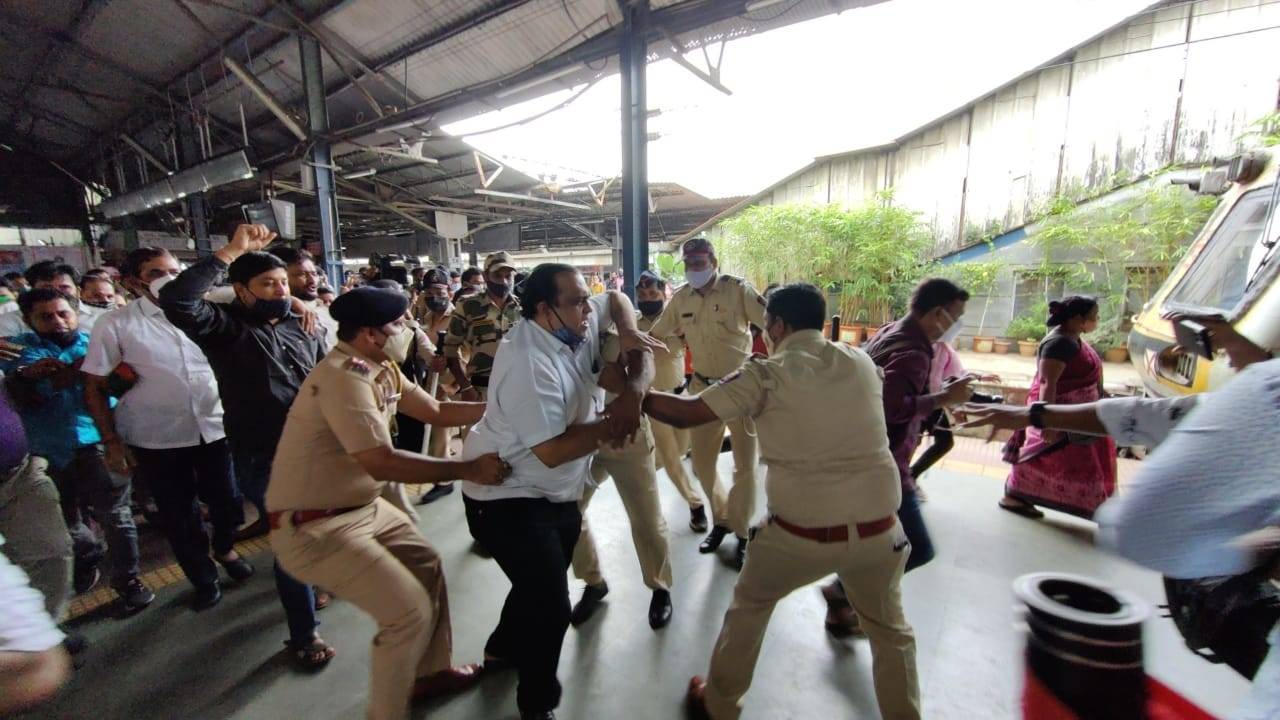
{"points": [[715, 325]]}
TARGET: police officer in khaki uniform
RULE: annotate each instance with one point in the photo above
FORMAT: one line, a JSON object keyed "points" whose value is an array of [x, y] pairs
{"points": [[670, 443], [833, 496], [478, 324], [328, 524], [714, 313], [631, 467]]}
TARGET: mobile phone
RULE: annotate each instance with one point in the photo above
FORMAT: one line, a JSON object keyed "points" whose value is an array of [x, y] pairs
{"points": [[1193, 337], [262, 213]]}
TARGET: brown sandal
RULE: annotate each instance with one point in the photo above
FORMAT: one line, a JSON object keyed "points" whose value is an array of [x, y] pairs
{"points": [[323, 599], [314, 655]]}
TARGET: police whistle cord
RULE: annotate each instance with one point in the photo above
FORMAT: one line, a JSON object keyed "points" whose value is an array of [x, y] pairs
{"points": [[1084, 654]]}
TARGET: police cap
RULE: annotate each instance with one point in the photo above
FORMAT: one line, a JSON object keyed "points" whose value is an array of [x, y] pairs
{"points": [[368, 307]]}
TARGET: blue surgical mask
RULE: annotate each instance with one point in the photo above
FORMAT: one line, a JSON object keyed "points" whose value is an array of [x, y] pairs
{"points": [[566, 335]]}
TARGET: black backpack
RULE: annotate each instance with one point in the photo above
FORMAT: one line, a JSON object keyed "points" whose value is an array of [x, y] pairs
{"points": [[1226, 619]]}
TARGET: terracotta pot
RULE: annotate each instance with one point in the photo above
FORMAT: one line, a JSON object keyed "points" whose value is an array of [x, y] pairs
{"points": [[983, 344], [851, 333], [1002, 347], [1027, 348], [1116, 355]]}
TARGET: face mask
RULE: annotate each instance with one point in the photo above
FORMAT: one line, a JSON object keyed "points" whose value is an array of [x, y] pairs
{"points": [[437, 304], [699, 278], [566, 335], [273, 309], [66, 338], [952, 332], [478, 288], [498, 289], [4, 299], [649, 308], [99, 305], [158, 283]]}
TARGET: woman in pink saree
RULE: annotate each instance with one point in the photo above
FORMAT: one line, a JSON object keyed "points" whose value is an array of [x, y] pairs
{"points": [[1077, 477]]}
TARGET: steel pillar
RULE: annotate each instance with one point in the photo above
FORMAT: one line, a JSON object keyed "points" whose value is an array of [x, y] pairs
{"points": [[194, 206], [635, 148], [321, 159]]}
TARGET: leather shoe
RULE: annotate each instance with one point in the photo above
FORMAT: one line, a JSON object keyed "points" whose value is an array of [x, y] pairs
{"points": [[660, 609], [539, 715], [206, 597], [238, 569], [713, 539], [740, 554], [447, 682], [698, 519], [436, 492], [696, 699], [842, 620], [588, 604]]}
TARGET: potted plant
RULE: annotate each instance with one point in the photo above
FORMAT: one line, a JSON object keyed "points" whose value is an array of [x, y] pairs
{"points": [[1029, 329], [979, 278], [1113, 344], [851, 332], [1003, 346]]}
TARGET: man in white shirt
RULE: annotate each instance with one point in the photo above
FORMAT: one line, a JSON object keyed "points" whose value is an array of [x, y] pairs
{"points": [[168, 423], [63, 278], [304, 285], [546, 417], [33, 664]]}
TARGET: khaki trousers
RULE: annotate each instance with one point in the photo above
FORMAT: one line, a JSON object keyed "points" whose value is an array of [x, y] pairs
{"points": [[375, 559], [637, 482], [398, 496], [35, 534], [779, 563], [670, 445], [736, 513]]}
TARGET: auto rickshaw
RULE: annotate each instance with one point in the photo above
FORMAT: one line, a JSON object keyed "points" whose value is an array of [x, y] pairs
{"points": [[1230, 270]]}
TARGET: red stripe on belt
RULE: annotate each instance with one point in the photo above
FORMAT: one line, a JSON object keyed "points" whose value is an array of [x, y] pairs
{"points": [[836, 533], [275, 519]]}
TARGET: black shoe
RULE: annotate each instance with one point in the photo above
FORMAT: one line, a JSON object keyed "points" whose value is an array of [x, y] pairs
{"points": [[540, 715], [660, 609], [238, 569], [740, 555], [86, 578], [206, 597], [698, 519], [589, 603], [135, 595], [713, 539], [73, 642], [480, 550], [436, 492]]}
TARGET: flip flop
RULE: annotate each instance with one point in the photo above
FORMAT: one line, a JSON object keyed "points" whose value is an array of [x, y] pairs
{"points": [[1026, 510]]}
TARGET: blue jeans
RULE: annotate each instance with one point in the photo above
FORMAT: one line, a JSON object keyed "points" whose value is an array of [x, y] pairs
{"points": [[913, 525], [253, 470]]}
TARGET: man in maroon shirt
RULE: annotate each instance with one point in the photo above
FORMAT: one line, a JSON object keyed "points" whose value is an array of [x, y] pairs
{"points": [[904, 352]]}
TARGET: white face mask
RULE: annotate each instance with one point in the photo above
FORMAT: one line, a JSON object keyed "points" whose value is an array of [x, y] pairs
{"points": [[952, 332], [158, 283], [699, 278]]}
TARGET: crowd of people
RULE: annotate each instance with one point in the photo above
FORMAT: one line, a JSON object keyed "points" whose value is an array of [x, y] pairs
{"points": [[244, 378]]}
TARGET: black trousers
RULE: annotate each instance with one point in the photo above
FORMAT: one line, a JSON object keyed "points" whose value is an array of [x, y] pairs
{"points": [[85, 481], [532, 541], [181, 478], [940, 428]]}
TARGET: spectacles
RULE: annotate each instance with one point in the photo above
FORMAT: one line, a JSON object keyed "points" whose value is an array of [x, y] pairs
{"points": [[581, 301]]}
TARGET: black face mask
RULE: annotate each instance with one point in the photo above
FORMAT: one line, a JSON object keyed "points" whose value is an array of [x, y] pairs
{"points": [[437, 304], [67, 338], [498, 289], [649, 308], [273, 309]]}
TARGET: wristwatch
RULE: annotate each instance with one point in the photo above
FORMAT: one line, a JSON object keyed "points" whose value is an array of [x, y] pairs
{"points": [[1036, 415]]}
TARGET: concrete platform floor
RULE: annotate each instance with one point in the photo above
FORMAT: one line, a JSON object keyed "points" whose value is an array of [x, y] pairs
{"points": [[169, 662]]}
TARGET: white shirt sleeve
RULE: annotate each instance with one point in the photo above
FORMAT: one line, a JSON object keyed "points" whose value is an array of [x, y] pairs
{"points": [[1144, 422], [104, 352], [535, 404], [11, 324], [1211, 482], [25, 626]]}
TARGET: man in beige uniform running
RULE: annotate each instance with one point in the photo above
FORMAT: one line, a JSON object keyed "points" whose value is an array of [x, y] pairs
{"points": [[833, 495], [714, 313], [330, 527], [668, 366]]}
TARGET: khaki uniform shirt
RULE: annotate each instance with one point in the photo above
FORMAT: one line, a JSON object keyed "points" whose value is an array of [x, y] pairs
{"points": [[477, 324], [715, 326], [344, 407], [818, 408], [610, 353], [668, 364]]}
